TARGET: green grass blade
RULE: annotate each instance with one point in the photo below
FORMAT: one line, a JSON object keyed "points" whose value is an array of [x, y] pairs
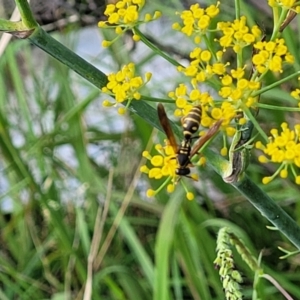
{"points": [[163, 248]]}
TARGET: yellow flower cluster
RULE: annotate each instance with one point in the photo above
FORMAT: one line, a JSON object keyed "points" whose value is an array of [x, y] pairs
{"points": [[237, 34], [185, 101], [238, 90], [163, 165], [283, 148], [124, 86], [271, 55], [235, 88], [197, 20], [205, 65], [201, 67], [210, 114], [125, 15]]}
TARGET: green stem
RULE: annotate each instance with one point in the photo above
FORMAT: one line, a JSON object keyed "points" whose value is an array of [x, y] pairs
{"points": [[275, 84], [44, 41], [6, 25], [154, 48], [277, 25], [157, 100], [255, 123], [276, 107], [260, 200], [239, 58], [209, 46], [26, 14], [237, 5]]}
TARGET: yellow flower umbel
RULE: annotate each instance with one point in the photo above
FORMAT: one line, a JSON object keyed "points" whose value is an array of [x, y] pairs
{"points": [[185, 101], [284, 149], [238, 90], [196, 20], [123, 16], [124, 86], [164, 165], [271, 56], [235, 89], [237, 34]]}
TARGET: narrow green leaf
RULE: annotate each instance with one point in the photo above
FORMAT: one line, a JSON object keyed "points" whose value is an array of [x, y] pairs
{"points": [[163, 246], [135, 245]]}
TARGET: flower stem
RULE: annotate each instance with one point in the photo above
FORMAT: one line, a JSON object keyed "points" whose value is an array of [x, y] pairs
{"points": [[26, 14], [275, 84], [154, 48], [44, 41]]}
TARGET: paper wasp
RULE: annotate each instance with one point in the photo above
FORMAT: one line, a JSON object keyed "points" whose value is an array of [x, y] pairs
{"points": [[185, 152]]}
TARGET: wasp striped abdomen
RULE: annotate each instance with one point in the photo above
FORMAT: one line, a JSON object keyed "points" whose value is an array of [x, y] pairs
{"points": [[191, 122]]}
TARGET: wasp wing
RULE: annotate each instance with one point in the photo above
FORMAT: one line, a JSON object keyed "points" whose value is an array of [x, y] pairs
{"points": [[209, 134], [165, 124]]}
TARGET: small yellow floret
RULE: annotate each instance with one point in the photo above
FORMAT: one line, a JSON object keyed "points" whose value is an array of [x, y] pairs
{"points": [[157, 14], [226, 80], [136, 37], [206, 121], [150, 193], [262, 159], [177, 113], [121, 110], [259, 145], [267, 180], [158, 147], [144, 169], [283, 173], [147, 155], [107, 103], [101, 24], [230, 131], [176, 26], [119, 30], [157, 160], [205, 55], [197, 40], [242, 121], [202, 161], [216, 113], [190, 196], [195, 177], [224, 151], [170, 188], [147, 18], [148, 76], [137, 96], [106, 44]]}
